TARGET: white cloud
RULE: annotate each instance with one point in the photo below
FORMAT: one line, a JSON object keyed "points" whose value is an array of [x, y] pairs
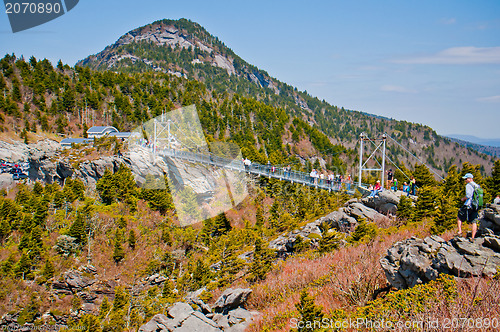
{"points": [[467, 55], [492, 99], [396, 88], [448, 21]]}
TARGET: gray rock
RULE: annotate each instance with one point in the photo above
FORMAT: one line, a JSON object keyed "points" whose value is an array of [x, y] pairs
{"points": [[416, 261], [360, 211], [6, 180], [156, 324], [231, 299], [385, 202], [198, 323], [492, 242]]}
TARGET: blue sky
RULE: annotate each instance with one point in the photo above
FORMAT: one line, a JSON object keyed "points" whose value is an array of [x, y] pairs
{"points": [[431, 62]]}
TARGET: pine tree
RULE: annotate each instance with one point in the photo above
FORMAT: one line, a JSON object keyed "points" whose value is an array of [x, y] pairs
{"points": [[104, 308], [118, 253], [132, 239], [262, 260], [23, 267], [259, 216], [4, 231], [423, 176], [329, 241], [426, 204], [405, 208], [77, 230], [201, 275], [494, 183], [446, 216], [309, 312], [48, 269], [106, 187]]}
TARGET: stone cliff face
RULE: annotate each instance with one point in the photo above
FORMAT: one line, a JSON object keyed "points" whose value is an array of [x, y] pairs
{"points": [[48, 164]]}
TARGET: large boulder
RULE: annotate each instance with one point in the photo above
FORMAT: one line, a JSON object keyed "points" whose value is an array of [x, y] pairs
{"points": [[361, 211], [385, 202], [231, 299], [415, 261]]}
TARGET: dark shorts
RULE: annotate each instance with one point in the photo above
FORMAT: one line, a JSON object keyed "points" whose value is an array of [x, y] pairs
{"points": [[468, 214]]}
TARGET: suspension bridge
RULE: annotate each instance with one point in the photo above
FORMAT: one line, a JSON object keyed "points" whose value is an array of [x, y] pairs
{"points": [[179, 137]]}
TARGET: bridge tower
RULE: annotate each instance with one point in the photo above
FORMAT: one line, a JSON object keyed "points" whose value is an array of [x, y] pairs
{"points": [[161, 132], [382, 144]]}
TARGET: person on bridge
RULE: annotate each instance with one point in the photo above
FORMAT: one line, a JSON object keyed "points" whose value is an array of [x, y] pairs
{"points": [[348, 181], [468, 212]]}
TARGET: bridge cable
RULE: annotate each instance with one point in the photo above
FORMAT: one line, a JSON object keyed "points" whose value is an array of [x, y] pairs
{"points": [[415, 157]]}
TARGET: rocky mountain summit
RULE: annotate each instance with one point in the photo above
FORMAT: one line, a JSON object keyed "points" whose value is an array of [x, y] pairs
{"points": [[196, 45]]}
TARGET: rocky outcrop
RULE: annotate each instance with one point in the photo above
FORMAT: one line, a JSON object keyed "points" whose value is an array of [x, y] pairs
{"points": [[343, 220], [490, 221], [228, 315], [74, 281], [385, 202], [415, 261]]}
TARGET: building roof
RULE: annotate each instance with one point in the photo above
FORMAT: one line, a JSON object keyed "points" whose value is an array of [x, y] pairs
{"points": [[69, 141], [101, 129], [121, 134]]}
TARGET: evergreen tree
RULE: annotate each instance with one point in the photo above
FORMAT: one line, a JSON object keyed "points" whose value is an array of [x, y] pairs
{"points": [[405, 208], [77, 230], [309, 312], [262, 260], [168, 290], [118, 253], [329, 241], [4, 231], [426, 204], [259, 216], [201, 275], [494, 182], [446, 216], [132, 239], [23, 267], [423, 176], [104, 308], [106, 187], [48, 269]]}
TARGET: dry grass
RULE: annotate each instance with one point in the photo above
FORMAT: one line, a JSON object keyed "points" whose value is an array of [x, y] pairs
{"points": [[344, 279]]}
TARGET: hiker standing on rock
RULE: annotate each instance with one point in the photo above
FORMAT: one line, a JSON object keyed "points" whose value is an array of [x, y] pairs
{"points": [[468, 212]]}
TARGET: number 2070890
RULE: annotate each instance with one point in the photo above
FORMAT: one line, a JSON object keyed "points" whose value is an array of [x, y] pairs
{"points": [[32, 8]]}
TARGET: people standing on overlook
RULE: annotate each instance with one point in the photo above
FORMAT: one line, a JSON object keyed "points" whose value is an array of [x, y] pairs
{"points": [[406, 189], [376, 189], [390, 176], [413, 187], [468, 212], [497, 199], [395, 185]]}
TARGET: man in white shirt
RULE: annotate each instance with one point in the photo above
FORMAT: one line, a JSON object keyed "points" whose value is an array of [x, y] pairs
{"points": [[467, 212]]}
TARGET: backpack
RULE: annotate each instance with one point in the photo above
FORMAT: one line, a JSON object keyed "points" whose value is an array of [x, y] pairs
{"points": [[477, 197]]}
